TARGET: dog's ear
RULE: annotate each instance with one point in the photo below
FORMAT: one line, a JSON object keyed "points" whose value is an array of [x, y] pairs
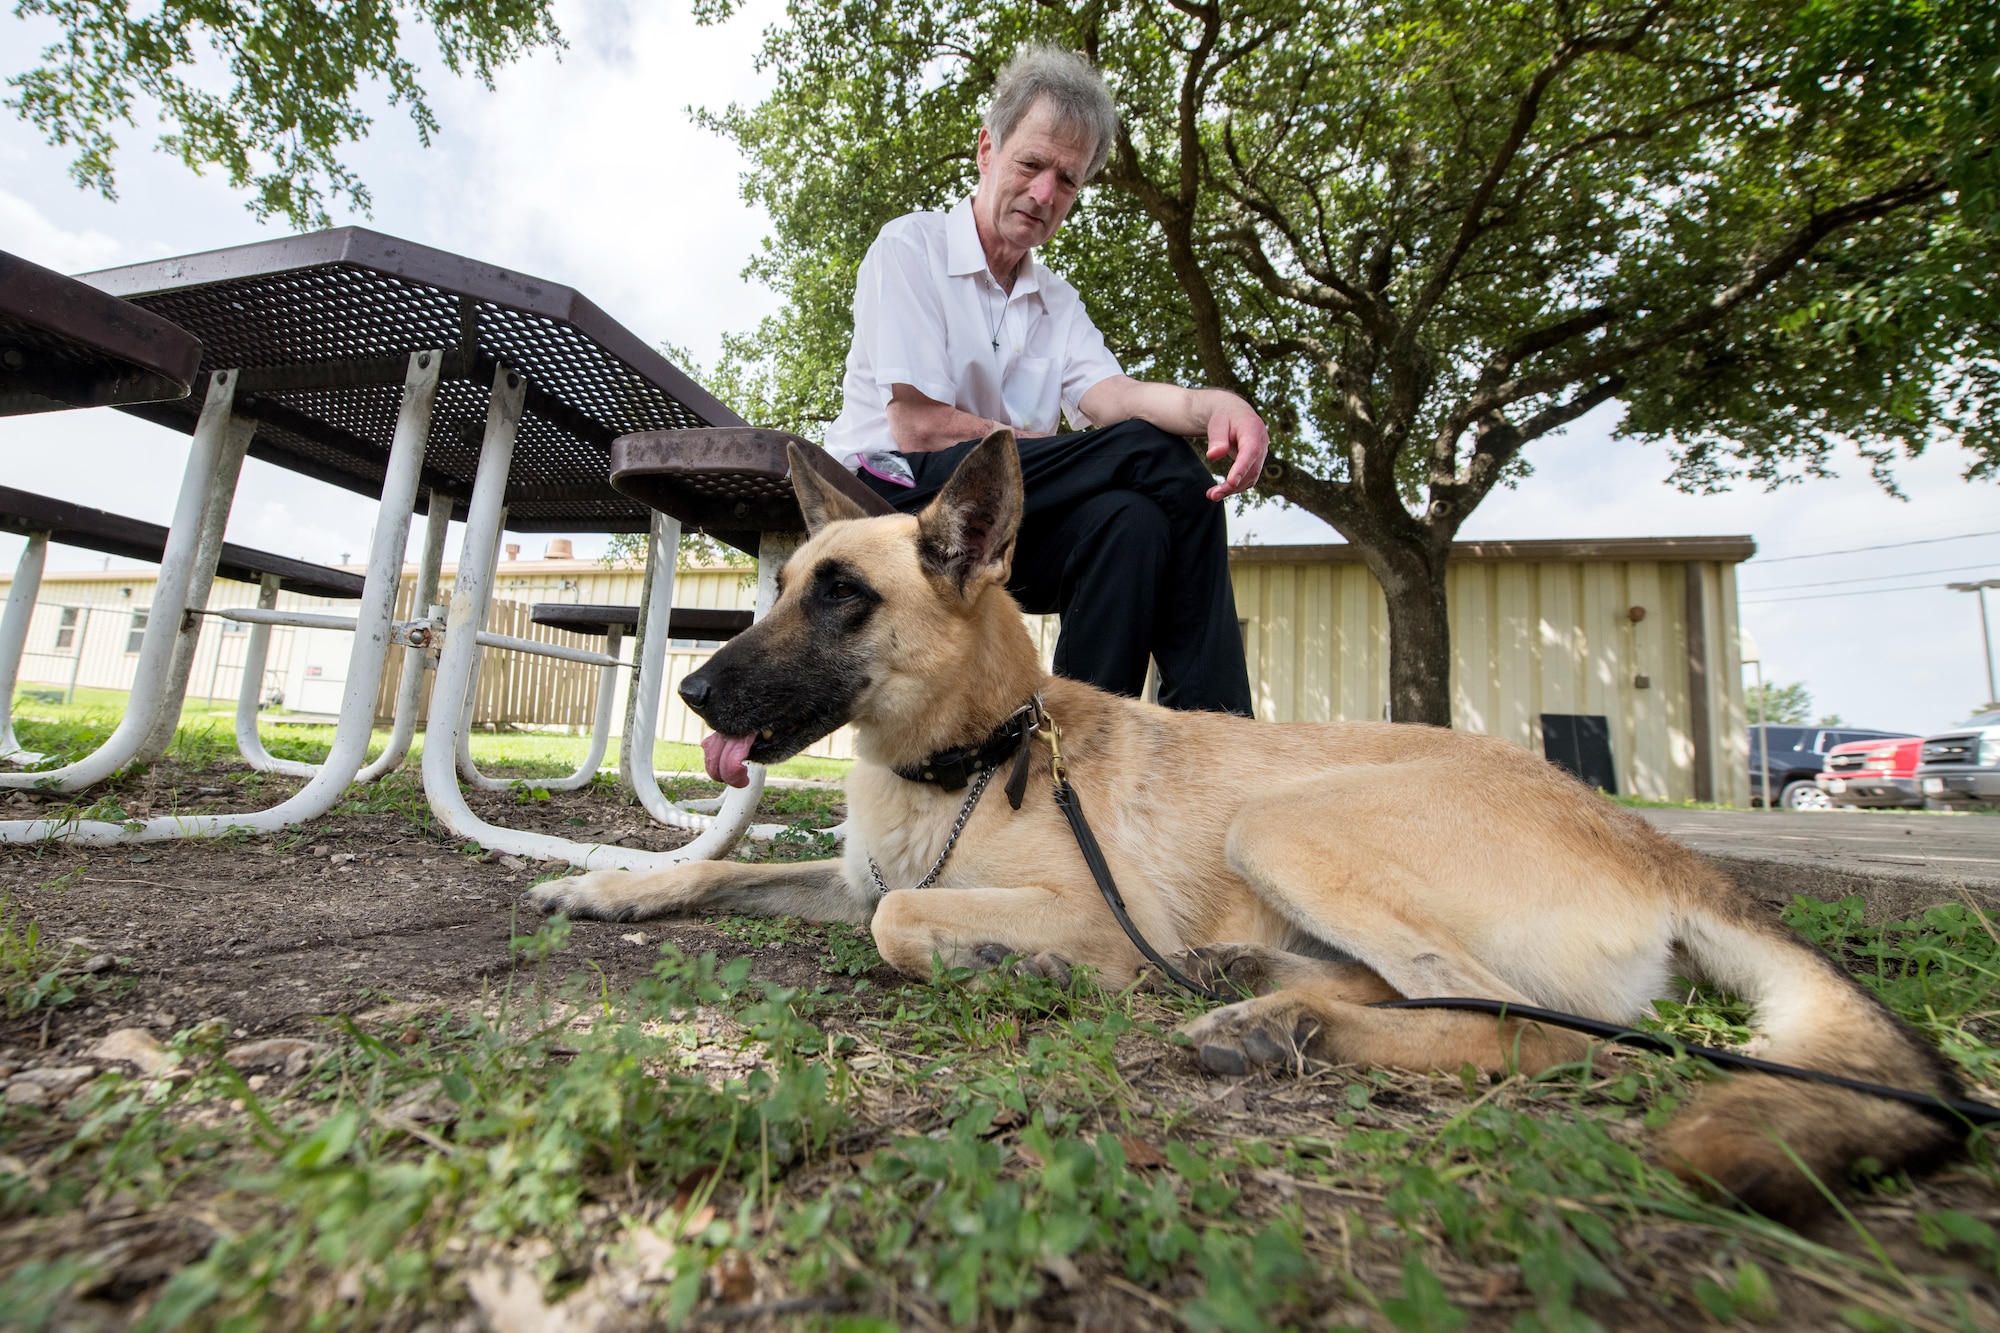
{"points": [[818, 500], [968, 531]]}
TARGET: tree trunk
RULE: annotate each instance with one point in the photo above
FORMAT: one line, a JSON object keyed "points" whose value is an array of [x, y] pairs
{"points": [[1413, 582]]}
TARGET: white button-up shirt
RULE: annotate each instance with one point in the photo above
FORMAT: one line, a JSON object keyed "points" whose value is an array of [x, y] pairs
{"points": [[928, 313]]}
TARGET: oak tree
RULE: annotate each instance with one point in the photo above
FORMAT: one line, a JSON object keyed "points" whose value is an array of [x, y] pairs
{"points": [[1421, 234], [294, 69]]}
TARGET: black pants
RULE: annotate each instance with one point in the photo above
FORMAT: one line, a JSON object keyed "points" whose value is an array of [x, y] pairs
{"points": [[1120, 538]]}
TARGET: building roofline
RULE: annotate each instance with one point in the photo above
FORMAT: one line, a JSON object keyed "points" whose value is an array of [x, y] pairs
{"points": [[1727, 550]]}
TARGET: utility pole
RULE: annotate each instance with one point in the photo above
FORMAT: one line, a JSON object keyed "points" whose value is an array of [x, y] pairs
{"points": [[1985, 633]]}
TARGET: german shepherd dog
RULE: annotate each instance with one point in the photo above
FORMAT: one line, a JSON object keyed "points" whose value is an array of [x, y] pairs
{"points": [[1313, 866]]}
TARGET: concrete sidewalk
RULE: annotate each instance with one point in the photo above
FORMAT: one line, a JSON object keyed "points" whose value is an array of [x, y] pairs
{"points": [[1901, 861]]}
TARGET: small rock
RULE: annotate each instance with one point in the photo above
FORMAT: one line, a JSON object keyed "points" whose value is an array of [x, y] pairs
{"points": [[289, 1054], [342, 858], [102, 962], [322, 850], [133, 1046], [23, 1093], [513, 863], [58, 1083], [256, 1082], [637, 937]]}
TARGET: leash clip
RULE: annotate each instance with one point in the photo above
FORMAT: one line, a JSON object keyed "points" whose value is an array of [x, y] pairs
{"points": [[1052, 733]]}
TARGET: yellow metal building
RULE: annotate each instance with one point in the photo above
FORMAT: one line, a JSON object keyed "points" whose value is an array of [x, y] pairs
{"points": [[1639, 631]]}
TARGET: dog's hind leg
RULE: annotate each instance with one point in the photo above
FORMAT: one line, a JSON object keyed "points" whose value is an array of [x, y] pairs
{"points": [[1316, 1022], [815, 890]]}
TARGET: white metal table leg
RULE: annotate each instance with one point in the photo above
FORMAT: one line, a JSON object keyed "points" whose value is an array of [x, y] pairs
{"points": [[607, 695], [14, 640], [373, 622], [250, 696], [163, 631], [454, 674], [642, 721], [214, 521], [416, 661], [468, 770]]}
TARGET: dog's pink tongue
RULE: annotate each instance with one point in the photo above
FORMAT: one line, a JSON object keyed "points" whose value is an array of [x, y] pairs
{"points": [[724, 756]]}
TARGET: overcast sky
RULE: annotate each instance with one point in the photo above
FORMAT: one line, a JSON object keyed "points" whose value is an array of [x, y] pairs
{"points": [[587, 171]]}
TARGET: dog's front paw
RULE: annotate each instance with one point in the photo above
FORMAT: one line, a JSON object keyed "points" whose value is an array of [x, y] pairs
{"points": [[600, 895], [1044, 965], [1255, 1034]]}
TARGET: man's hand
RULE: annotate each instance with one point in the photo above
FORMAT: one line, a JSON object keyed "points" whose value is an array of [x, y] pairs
{"points": [[1232, 425], [1235, 428]]}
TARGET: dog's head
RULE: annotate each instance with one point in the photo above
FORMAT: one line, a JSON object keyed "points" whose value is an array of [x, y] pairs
{"points": [[875, 617]]}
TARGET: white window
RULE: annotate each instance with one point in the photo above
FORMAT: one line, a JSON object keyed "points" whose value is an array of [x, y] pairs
{"points": [[66, 628], [135, 637]]}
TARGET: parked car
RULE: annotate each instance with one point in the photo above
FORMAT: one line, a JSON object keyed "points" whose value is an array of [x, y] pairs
{"points": [[1873, 775], [1796, 755], [1962, 766]]}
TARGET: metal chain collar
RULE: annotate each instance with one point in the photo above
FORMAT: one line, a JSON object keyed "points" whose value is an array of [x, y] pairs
{"points": [[937, 868]]}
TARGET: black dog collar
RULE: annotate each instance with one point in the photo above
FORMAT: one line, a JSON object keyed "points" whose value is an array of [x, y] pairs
{"points": [[952, 769]]}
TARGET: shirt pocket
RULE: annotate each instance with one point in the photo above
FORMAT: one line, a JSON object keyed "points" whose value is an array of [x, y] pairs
{"points": [[1033, 394]]}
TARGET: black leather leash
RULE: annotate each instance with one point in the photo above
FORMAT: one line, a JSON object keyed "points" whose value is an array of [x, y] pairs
{"points": [[1977, 1113], [1956, 1108], [1093, 856]]}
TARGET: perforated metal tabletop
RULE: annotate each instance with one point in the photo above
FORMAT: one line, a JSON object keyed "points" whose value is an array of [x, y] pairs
{"points": [[322, 327]]}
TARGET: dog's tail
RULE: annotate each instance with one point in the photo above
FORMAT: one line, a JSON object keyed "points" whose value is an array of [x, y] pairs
{"points": [[1771, 1142]]}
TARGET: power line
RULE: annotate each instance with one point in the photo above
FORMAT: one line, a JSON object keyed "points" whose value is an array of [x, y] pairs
{"points": [[1855, 550], [1859, 592], [1872, 578]]}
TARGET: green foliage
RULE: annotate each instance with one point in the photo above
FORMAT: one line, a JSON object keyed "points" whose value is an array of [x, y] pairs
{"points": [[698, 550], [279, 128], [1421, 235], [35, 974], [1940, 971], [1790, 705]]}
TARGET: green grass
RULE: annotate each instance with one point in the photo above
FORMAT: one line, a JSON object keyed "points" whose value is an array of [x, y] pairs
{"points": [[207, 734], [944, 1155]]}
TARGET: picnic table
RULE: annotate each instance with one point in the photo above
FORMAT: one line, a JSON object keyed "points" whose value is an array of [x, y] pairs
{"points": [[390, 368]]}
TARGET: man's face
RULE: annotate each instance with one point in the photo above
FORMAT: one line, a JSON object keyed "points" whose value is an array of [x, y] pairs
{"points": [[1027, 184]]}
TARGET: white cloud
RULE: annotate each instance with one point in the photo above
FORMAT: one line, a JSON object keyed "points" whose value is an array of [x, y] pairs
{"points": [[28, 232]]}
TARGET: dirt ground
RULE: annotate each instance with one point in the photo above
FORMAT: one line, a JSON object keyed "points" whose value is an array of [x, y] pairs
{"points": [[374, 908], [353, 911]]}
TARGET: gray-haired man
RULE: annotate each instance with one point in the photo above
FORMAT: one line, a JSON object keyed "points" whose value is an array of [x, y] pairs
{"points": [[958, 331]]}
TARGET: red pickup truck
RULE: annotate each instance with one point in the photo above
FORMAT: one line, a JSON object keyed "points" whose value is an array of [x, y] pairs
{"points": [[1873, 774]]}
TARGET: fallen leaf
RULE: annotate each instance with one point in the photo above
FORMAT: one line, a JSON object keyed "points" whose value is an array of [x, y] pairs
{"points": [[1008, 1118], [734, 1281], [1138, 1152], [698, 1222], [1029, 1155]]}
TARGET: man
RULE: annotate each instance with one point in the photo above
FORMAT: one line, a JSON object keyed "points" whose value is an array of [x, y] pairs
{"points": [[959, 331]]}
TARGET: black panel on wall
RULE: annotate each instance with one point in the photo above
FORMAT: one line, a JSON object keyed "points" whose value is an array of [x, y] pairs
{"points": [[1581, 743]]}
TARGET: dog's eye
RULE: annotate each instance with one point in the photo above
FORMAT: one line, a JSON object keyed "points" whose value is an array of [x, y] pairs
{"points": [[840, 590]]}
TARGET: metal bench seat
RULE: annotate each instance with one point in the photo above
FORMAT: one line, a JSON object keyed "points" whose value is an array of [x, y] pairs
{"points": [[712, 624], [733, 484], [77, 525], [64, 344], [42, 520]]}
